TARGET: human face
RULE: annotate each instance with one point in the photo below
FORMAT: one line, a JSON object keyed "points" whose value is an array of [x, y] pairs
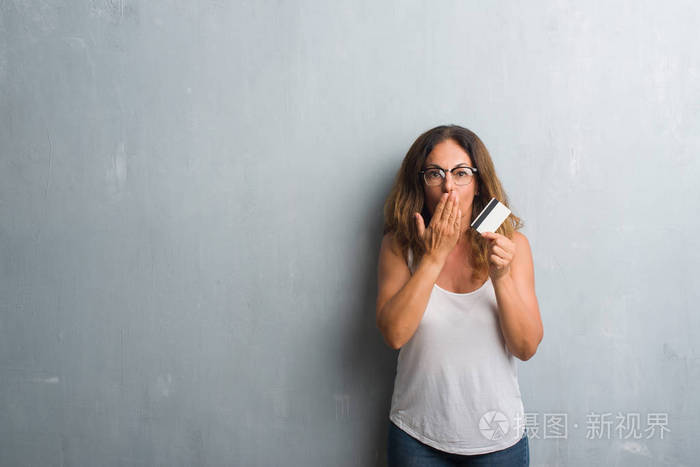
{"points": [[447, 155]]}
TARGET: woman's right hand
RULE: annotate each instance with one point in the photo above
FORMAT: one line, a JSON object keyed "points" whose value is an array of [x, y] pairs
{"points": [[442, 234]]}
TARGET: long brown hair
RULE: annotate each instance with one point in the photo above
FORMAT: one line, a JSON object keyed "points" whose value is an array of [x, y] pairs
{"points": [[407, 196]]}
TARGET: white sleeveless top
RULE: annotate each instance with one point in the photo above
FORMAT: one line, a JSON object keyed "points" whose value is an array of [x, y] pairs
{"points": [[456, 386]]}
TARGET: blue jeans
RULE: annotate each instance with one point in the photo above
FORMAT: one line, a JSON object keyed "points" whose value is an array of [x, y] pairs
{"points": [[403, 450]]}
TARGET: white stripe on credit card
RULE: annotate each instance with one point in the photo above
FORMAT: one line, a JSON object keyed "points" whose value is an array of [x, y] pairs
{"points": [[491, 217]]}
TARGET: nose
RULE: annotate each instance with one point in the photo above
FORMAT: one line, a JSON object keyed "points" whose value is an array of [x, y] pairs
{"points": [[448, 184]]}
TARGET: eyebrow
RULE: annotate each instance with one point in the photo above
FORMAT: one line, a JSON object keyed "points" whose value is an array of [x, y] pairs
{"points": [[458, 165]]}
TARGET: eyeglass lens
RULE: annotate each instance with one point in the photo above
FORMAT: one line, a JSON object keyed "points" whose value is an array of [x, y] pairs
{"points": [[436, 176]]}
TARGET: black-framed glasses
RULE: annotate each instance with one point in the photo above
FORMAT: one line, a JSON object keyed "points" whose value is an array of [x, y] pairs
{"points": [[435, 176]]}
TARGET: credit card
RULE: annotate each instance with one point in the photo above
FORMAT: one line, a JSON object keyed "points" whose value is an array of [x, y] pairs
{"points": [[491, 217]]}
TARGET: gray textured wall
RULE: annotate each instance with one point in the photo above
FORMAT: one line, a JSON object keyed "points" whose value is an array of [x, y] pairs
{"points": [[190, 217]]}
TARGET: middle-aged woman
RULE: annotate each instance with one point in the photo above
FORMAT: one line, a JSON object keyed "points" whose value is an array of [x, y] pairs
{"points": [[460, 305]]}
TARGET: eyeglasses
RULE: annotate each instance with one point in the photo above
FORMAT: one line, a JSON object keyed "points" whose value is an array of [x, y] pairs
{"points": [[461, 175]]}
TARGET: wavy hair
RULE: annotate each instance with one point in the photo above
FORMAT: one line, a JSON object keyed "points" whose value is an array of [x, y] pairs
{"points": [[407, 195]]}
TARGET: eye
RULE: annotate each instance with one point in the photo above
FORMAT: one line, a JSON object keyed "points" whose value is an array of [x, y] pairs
{"points": [[461, 173], [434, 173]]}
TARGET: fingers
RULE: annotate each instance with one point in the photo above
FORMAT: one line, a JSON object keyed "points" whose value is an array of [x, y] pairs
{"points": [[450, 208], [444, 229], [440, 208], [454, 212], [496, 260], [447, 210], [502, 253], [420, 223]]}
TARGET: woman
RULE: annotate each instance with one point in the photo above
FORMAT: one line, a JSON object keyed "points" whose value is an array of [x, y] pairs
{"points": [[460, 305]]}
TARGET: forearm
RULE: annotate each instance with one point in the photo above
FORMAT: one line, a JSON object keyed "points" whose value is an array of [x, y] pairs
{"points": [[518, 324], [400, 316]]}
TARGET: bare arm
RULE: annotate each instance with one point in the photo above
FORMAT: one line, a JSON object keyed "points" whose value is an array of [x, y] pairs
{"points": [[519, 313], [402, 298]]}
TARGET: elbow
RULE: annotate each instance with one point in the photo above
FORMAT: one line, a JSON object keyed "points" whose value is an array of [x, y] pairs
{"points": [[525, 354], [528, 351], [389, 337], [394, 345], [392, 341]]}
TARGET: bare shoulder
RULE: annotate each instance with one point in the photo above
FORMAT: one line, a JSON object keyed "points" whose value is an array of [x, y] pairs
{"points": [[522, 261], [521, 243], [518, 235], [522, 266], [391, 258], [392, 270], [390, 245]]}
